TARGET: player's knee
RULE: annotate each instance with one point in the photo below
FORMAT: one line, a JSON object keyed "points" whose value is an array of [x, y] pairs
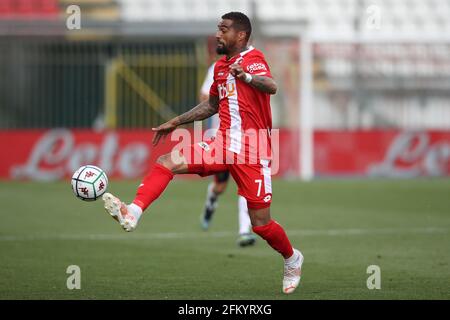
{"points": [[259, 217], [173, 162], [165, 161], [260, 221]]}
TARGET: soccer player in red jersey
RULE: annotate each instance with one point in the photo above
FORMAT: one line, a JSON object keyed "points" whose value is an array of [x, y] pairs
{"points": [[220, 181], [240, 94]]}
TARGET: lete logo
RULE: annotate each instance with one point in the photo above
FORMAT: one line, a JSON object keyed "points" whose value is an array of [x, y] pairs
{"points": [[417, 153], [56, 155]]}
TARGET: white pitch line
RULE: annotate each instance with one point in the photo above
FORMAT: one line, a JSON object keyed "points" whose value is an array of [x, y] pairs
{"points": [[221, 234]]}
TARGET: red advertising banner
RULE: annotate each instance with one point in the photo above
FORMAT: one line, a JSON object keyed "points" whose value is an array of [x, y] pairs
{"points": [[54, 154], [381, 153]]}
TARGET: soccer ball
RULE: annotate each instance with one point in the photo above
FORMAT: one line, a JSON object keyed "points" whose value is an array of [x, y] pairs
{"points": [[89, 183]]}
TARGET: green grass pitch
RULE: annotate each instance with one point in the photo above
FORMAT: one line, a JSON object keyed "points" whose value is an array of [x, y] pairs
{"points": [[342, 227]]}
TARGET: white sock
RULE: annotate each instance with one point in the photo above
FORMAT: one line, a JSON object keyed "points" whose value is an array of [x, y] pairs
{"points": [[135, 210], [211, 196], [292, 258], [245, 225]]}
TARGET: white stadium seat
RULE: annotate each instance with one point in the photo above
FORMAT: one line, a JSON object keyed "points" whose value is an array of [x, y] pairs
{"points": [[324, 16]]}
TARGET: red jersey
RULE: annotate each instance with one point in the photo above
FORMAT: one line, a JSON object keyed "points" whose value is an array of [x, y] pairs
{"points": [[243, 110]]}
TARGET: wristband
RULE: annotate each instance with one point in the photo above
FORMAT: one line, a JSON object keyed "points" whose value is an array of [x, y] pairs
{"points": [[248, 78]]}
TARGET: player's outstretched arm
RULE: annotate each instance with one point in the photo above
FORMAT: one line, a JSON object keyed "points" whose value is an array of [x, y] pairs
{"points": [[262, 83], [202, 111]]}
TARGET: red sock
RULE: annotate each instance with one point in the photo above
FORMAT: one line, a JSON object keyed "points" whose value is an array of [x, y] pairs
{"points": [[275, 236], [152, 186]]}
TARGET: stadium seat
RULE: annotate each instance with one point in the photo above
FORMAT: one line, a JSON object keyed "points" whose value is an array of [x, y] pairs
{"points": [[6, 8], [28, 9], [324, 16]]}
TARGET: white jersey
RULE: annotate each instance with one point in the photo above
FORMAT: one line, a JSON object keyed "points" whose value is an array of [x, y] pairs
{"points": [[213, 122]]}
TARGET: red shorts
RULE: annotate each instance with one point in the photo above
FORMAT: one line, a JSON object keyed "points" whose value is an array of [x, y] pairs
{"points": [[253, 179]]}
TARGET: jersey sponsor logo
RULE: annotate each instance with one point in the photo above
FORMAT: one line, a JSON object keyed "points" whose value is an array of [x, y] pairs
{"points": [[226, 90], [256, 67]]}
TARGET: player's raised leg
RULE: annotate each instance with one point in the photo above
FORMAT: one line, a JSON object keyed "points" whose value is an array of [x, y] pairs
{"points": [[162, 173], [152, 186]]}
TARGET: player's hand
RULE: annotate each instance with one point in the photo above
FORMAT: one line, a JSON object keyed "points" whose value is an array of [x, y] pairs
{"points": [[237, 71], [162, 131]]}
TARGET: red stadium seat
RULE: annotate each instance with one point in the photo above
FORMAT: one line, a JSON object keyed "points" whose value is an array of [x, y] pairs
{"points": [[49, 7], [20, 9], [24, 7], [6, 7]]}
